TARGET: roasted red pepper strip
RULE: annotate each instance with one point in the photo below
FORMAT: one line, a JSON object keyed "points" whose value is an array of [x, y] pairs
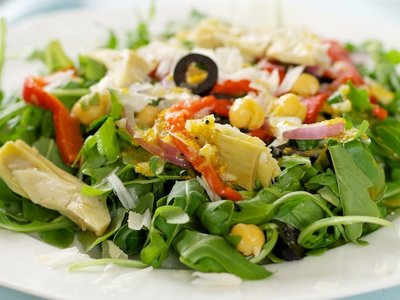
{"points": [[68, 135], [175, 118], [349, 72], [221, 107], [233, 88], [379, 112], [314, 105], [263, 133]]}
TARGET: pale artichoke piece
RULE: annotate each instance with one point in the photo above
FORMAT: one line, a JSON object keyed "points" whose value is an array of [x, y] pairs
{"points": [[124, 67], [241, 159], [34, 177], [214, 33], [296, 46], [245, 158]]}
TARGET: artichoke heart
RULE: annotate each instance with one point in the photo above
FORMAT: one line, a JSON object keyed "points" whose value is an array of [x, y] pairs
{"points": [[245, 158], [34, 177]]}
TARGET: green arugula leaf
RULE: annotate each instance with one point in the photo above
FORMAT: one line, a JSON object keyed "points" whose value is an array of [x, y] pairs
{"points": [[107, 142], [211, 253], [365, 161], [48, 148], [353, 189], [59, 238], [393, 56], [112, 41], [359, 98], [89, 239], [91, 69], [2, 49], [55, 57], [181, 203]]}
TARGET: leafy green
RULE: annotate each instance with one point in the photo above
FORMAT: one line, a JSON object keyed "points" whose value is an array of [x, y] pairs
{"points": [[128, 240], [140, 36], [54, 57], [353, 187], [90, 240], [184, 198], [117, 108], [365, 161], [393, 56], [48, 148], [359, 98], [91, 69], [2, 49], [211, 253], [106, 139], [272, 238], [60, 238], [300, 213], [307, 236], [386, 135], [112, 41], [60, 222]]}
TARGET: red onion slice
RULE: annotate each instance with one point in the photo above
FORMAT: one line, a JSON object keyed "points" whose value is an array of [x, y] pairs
{"points": [[164, 150], [316, 131]]}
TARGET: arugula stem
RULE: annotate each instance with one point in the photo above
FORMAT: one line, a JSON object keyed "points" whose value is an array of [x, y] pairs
{"points": [[69, 92], [339, 220], [2, 45], [59, 223], [126, 263]]}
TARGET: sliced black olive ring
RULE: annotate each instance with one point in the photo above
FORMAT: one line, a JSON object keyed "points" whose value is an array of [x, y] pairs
{"points": [[209, 66]]}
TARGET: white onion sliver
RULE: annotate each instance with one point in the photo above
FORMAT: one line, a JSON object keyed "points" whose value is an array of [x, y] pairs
{"points": [[215, 279], [290, 79], [137, 221], [128, 200]]}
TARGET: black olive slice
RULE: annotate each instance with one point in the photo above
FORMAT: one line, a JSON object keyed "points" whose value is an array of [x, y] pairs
{"points": [[287, 247], [207, 63]]}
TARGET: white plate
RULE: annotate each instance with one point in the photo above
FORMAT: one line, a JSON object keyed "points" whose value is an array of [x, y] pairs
{"points": [[344, 271]]}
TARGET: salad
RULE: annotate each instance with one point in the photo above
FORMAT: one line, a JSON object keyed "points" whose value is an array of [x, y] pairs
{"points": [[226, 147]]}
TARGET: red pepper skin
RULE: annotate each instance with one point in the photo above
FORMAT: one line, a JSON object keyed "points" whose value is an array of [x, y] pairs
{"points": [[263, 133], [233, 88], [339, 54], [68, 134], [314, 105], [221, 107], [379, 112]]}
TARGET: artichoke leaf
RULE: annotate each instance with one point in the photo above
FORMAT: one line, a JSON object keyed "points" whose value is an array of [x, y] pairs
{"points": [[32, 176], [242, 158]]}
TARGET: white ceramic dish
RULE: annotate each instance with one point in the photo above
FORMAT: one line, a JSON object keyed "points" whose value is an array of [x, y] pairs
{"points": [[344, 271]]}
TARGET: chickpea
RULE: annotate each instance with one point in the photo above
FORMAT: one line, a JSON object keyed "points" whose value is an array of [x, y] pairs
{"points": [[91, 107], [245, 113], [306, 85], [289, 105], [380, 93], [147, 115], [252, 239]]}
